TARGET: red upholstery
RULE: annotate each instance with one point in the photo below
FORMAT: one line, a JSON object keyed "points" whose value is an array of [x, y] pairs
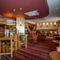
{"points": [[34, 36], [15, 37]]}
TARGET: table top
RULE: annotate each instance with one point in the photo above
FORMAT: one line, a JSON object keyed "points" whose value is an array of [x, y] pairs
{"points": [[55, 55], [6, 38], [56, 41]]}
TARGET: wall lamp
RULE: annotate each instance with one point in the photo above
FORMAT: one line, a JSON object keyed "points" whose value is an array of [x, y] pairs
{"points": [[20, 23], [47, 24], [54, 24]]}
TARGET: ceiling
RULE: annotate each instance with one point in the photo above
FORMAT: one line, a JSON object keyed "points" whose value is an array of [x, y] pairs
{"points": [[54, 12], [18, 8], [47, 9], [54, 9]]}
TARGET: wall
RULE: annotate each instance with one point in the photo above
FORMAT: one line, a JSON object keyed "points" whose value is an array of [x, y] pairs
{"points": [[59, 27], [46, 25]]}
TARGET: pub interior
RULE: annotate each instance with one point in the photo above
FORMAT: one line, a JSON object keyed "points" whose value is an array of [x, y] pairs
{"points": [[26, 37]]}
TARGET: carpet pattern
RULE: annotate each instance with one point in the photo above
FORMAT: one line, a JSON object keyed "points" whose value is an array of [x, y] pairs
{"points": [[39, 51]]}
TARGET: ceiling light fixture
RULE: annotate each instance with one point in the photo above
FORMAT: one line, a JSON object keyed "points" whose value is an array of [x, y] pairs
{"points": [[14, 10], [20, 8]]}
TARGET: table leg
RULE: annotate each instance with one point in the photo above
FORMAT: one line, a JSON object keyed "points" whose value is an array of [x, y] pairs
{"points": [[26, 42], [15, 45], [59, 44], [0, 49], [11, 48]]}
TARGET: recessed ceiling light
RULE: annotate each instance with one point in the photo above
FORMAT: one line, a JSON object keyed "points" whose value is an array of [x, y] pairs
{"points": [[55, 15], [14, 10], [20, 8], [56, 8], [32, 13]]}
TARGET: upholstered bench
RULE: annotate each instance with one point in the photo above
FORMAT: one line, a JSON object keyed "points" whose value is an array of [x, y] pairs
{"points": [[50, 37]]}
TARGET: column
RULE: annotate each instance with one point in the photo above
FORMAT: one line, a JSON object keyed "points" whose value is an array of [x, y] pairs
{"points": [[20, 25]]}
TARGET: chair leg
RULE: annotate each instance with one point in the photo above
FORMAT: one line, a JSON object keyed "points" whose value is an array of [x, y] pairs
{"points": [[0, 57], [3, 48], [7, 48], [35, 41], [15, 46]]}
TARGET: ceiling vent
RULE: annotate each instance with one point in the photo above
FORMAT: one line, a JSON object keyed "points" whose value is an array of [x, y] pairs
{"points": [[32, 13]]}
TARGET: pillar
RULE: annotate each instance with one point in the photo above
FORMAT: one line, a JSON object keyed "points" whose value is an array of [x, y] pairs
{"points": [[20, 26]]}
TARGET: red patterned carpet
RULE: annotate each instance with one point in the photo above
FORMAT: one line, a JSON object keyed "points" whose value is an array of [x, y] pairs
{"points": [[39, 51]]}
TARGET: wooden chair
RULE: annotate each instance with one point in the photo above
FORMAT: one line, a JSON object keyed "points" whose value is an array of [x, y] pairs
{"points": [[3, 43], [3, 46], [34, 37], [7, 46], [14, 44], [23, 40]]}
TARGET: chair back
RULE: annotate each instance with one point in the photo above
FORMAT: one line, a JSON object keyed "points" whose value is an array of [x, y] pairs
{"points": [[23, 40], [15, 41], [22, 37], [15, 37], [34, 36]]}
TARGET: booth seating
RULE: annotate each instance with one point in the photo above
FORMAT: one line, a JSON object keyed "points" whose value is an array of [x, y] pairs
{"points": [[49, 37], [55, 55]]}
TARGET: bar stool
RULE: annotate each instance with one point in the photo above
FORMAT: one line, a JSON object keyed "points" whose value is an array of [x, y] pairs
{"points": [[8, 46], [14, 43]]}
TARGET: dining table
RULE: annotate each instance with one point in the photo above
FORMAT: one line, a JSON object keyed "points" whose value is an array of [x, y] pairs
{"points": [[54, 55], [56, 41]]}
